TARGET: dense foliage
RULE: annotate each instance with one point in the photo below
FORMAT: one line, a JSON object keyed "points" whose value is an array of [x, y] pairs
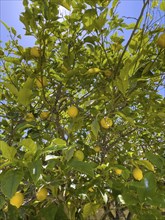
{"points": [[83, 61]]}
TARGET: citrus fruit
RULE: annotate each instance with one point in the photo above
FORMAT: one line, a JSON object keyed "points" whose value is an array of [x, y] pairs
{"points": [[41, 194], [44, 115], [93, 71], [118, 171], [17, 200], [79, 155], [72, 111], [161, 41], [29, 117], [35, 52], [106, 122], [138, 174], [108, 73], [41, 82], [96, 149]]}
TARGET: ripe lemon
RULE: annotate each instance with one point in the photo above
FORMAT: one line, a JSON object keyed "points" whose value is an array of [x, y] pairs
{"points": [[17, 200], [44, 115], [161, 41], [72, 111], [29, 117], [41, 82], [93, 71], [118, 171], [79, 155], [97, 149], [106, 122], [35, 52], [138, 174], [41, 194]]}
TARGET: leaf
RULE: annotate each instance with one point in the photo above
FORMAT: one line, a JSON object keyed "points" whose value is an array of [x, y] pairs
{"points": [[11, 88], [156, 160], [65, 4], [2, 201], [146, 164], [6, 26], [10, 182], [129, 119], [162, 5], [69, 153], [95, 127], [83, 167], [13, 31], [7, 151], [35, 169], [89, 209], [30, 145], [58, 142], [24, 96]]}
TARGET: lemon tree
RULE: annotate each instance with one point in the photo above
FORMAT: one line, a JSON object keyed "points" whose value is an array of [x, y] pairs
{"points": [[82, 113]]}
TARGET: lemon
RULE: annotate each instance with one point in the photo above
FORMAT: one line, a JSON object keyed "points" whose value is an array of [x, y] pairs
{"points": [[138, 174], [41, 82], [106, 122], [91, 189], [118, 171], [72, 111], [97, 149], [29, 117], [44, 115], [35, 52], [108, 73], [17, 200], [161, 41], [41, 194], [79, 155], [93, 71]]}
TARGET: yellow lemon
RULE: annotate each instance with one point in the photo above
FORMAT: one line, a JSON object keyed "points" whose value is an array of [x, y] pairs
{"points": [[72, 111], [138, 174], [97, 149], [79, 155], [17, 200], [161, 41], [106, 122], [118, 171], [91, 189], [41, 82], [44, 115], [41, 194], [29, 117], [35, 52], [93, 71]]}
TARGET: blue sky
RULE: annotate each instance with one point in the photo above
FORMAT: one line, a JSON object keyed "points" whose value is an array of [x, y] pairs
{"points": [[11, 9]]}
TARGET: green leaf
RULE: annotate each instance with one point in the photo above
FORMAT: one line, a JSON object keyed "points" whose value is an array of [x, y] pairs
{"points": [[7, 151], [6, 26], [13, 31], [10, 182], [146, 164], [95, 127], [35, 169], [89, 209], [130, 198], [156, 160], [58, 142], [30, 145], [24, 96], [162, 5], [129, 119], [11, 88], [83, 167]]}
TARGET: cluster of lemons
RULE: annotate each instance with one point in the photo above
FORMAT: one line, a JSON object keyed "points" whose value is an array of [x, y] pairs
{"points": [[137, 173], [18, 199]]}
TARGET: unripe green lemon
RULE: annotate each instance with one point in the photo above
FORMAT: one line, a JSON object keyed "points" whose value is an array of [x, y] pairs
{"points": [[44, 115], [97, 149], [72, 111], [29, 117], [138, 174], [35, 52], [41, 194], [17, 200], [79, 155]]}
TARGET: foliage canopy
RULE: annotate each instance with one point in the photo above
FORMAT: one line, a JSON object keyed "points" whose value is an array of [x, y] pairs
{"points": [[83, 60]]}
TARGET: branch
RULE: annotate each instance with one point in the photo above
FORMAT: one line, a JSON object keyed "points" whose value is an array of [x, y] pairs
{"points": [[133, 32]]}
